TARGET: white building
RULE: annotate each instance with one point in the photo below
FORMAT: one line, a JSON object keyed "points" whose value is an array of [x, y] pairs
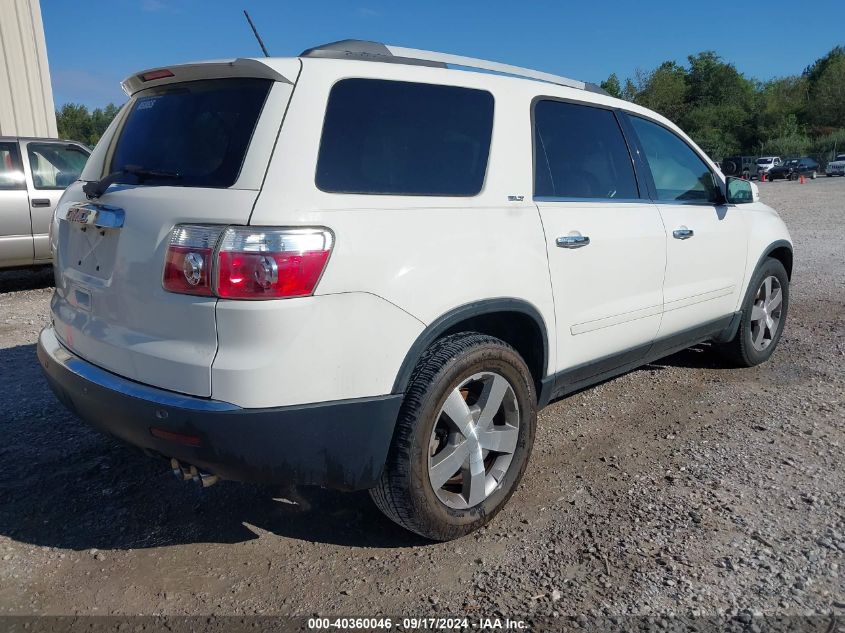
{"points": [[26, 97]]}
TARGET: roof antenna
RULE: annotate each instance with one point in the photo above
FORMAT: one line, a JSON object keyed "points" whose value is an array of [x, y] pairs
{"points": [[257, 36]]}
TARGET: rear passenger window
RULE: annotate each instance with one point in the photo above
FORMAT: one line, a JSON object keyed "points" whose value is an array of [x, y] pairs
{"points": [[579, 152], [11, 174], [679, 174], [396, 137]]}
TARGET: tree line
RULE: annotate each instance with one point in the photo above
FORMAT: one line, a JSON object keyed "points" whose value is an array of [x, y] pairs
{"points": [[723, 111], [77, 123], [727, 113]]}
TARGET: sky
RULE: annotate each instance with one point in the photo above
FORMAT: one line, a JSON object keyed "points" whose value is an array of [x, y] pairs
{"points": [[93, 45]]}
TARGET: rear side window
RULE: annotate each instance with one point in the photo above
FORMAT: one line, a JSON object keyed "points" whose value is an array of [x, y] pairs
{"points": [[11, 174], [195, 132], [579, 152], [402, 138], [55, 165], [679, 174]]}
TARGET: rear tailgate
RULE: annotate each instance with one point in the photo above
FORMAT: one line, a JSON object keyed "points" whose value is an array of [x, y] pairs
{"points": [[213, 137]]}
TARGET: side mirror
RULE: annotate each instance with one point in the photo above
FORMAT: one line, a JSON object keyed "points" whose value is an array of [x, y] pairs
{"points": [[739, 191]]}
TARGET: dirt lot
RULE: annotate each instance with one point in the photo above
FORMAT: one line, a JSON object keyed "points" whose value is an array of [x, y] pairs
{"points": [[679, 488]]}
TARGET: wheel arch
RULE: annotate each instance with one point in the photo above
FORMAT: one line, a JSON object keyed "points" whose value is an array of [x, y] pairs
{"points": [[780, 250], [515, 321]]}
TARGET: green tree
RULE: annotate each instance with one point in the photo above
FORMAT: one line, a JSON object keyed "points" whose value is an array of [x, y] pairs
{"points": [[728, 113], [781, 100], [815, 70], [76, 123], [663, 90], [827, 95], [612, 86], [629, 92]]}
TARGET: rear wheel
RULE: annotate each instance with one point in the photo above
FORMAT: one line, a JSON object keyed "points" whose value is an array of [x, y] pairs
{"points": [[763, 317], [463, 438]]}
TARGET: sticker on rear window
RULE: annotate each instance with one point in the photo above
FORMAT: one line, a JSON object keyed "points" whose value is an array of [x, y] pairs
{"points": [[147, 103]]}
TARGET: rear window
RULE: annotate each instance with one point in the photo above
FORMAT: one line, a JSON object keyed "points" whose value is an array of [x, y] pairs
{"points": [[402, 138], [196, 132], [764, 161]]}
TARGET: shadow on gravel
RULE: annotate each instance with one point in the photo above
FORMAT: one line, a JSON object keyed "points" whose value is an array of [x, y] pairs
{"points": [[65, 485], [701, 356], [26, 279]]}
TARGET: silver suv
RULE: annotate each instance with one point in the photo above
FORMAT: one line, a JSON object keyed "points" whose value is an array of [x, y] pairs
{"points": [[33, 174]]}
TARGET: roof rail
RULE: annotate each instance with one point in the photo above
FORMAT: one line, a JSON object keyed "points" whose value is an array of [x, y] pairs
{"points": [[378, 52]]}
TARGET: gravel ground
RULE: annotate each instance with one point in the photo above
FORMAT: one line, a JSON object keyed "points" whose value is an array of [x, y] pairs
{"points": [[680, 488]]}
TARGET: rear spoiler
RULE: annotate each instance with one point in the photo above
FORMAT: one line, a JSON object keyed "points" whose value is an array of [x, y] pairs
{"points": [[278, 69]]}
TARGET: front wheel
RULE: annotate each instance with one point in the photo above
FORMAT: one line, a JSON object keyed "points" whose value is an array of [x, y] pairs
{"points": [[763, 317], [463, 438]]}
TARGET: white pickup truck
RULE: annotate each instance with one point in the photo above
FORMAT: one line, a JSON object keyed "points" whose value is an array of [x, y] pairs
{"points": [[836, 167]]}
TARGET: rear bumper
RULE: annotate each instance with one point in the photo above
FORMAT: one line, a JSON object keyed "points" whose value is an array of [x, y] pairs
{"points": [[341, 444]]}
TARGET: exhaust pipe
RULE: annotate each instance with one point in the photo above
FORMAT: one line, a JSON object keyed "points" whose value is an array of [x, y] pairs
{"points": [[189, 472]]}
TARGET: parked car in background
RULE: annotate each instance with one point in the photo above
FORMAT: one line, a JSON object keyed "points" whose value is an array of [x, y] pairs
{"points": [[33, 174], [836, 167], [739, 166], [765, 163], [792, 168], [291, 270]]}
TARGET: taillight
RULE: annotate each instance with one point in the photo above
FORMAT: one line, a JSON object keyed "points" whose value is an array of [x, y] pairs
{"points": [[258, 263], [243, 262], [187, 265]]}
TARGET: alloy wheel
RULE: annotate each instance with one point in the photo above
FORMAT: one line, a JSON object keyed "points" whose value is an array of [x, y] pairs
{"points": [[766, 313], [473, 440]]}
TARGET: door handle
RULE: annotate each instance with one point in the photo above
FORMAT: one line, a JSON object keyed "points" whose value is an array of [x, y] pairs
{"points": [[572, 241], [40, 202], [683, 233]]}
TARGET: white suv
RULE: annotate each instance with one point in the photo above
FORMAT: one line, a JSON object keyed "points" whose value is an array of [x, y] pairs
{"points": [[361, 269], [765, 164]]}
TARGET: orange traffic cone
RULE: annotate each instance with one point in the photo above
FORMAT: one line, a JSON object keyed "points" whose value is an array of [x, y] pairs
{"points": [[801, 179], [763, 177]]}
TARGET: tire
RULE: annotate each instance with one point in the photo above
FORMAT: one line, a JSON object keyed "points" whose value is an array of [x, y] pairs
{"points": [[425, 433], [745, 350], [793, 176]]}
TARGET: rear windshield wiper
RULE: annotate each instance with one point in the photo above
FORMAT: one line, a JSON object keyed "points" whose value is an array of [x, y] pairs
{"points": [[96, 188]]}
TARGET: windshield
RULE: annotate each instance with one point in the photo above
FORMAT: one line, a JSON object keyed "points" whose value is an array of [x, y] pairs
{"points": [[764, 161], [791, 161], [840, 157], [194, 134]]}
